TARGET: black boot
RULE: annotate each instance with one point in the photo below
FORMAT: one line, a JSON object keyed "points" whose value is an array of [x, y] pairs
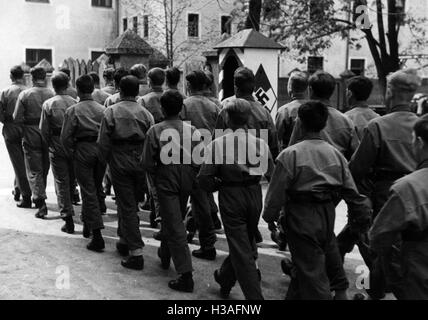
{"points": [[103, 208], [43, 209], [287, 266], [122, 249], [134, 263], [157, 236], [16, 194], [25, 203], [97, 244], [165, 259], [68, 226], [86, 231], [184, 283], [224, 290], [209, 254]]}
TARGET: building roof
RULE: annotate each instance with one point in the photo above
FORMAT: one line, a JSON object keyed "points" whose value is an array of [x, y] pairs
{"points": [[129, 43], [45, 65], [249, 38]]}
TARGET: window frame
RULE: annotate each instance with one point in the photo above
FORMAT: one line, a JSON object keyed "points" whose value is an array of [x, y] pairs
{"points": [[361, 59], [307, 64], [35, 47], [221, 23], [146, 28], [199, 26], [102, 7]]}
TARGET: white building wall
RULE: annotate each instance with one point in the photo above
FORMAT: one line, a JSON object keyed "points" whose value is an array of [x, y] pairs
{"points": [[71, 28]]}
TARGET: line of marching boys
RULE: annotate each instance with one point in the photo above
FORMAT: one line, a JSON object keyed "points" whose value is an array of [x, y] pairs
{"points": [[377, 165]]}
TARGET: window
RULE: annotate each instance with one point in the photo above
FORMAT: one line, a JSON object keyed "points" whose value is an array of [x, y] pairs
{"points": [[193, 25], [102, 3], [358, 66], [226, 24], [135, 24], [146, 26], [96, 54], [125, 24], [42, 1], [315, 64], [34, 56]]}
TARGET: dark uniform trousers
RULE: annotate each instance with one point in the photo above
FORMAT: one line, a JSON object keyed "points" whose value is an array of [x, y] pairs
{"points": [[63, 171], [36, 162], [202, 212], [309, 226], [128, 179], [174, 184], [240, 209], [90, 171], [13, 135]]}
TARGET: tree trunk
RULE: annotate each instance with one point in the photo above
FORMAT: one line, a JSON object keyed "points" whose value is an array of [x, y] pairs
{"points": [[254, 15]]}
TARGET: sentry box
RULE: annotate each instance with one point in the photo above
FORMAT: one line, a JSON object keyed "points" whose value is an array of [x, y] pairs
{"points": [[253, 50]]}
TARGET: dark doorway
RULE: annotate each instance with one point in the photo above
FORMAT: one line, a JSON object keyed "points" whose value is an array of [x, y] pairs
{"points": [[229, 69]]}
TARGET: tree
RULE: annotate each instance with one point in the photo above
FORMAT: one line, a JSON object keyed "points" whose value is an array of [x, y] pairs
{"points": [[167, 18], [309, 26]]}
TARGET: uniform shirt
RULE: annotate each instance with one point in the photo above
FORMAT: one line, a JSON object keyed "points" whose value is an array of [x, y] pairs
{"points": [[182, 145], [144, 89], [100, 96], [313, 166], [213, 99], [111, 100], [386, 146], [53, 118], [285, 121], [339, 132], [110, 90], [200, 111], [29, 105], [260, 118], [151, 102], [8, 98], [71, 92], [361, 116], [225, 160], [82, 120], [405, 211], [124, 122]]}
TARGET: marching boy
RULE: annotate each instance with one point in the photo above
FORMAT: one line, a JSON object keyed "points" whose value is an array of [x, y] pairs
{"points": [[308, 179], [230, 168]]}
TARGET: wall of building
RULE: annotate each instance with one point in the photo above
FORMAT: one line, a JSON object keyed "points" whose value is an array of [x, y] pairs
{"points": [[335, 56], [68, 28], [209, 11]]}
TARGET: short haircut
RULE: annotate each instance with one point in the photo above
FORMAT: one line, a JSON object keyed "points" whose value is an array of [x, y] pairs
{"points": [[157, 76], [129, 86], [173, 76], [245, 80], [361, 88], [66, 71], [299, 82], [119, 74], [197, 80], [322, 84], [60, 82], [85, 84], [314, 116], [238, 111], [139, 71], [171, 102], [421, 128], [108, 74], [38, 73], [95, 77], [17, 72]]}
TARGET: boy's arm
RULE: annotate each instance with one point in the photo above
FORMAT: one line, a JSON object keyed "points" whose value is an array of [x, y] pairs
{"points": [[104, 136], [150, 151], [276, 194], [67, 132], [207, 178]]}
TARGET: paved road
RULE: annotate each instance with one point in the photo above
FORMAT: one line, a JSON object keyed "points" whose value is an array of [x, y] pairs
{"points": [[40, 262]]}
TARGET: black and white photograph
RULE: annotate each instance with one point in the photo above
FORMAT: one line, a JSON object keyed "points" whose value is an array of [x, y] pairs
{"points": [[213, 156]]}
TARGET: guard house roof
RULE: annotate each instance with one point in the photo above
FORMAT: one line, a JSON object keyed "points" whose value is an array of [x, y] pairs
{"points": [[249, 38], [129, 43]]}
